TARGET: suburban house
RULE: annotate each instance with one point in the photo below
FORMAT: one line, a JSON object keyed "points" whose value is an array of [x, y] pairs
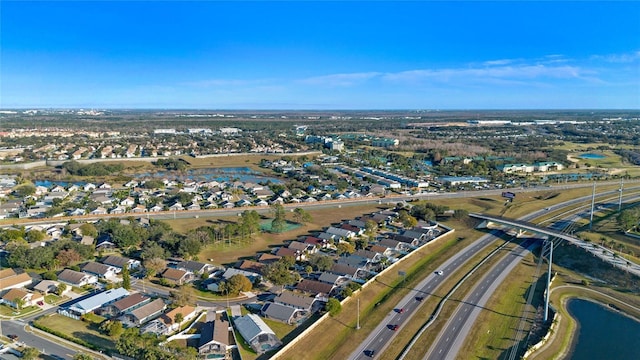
{"points": [[177, 276], [295, 301], [214, 339], [76, 278], [99, 270], [278, 312], [256, 333], [86, 305], [195, 267], [316, 288], [10, 279], [169, 318], [252, 276], [14, 296], [144, 313], [120, 262], [125, 305], [47, 287]]}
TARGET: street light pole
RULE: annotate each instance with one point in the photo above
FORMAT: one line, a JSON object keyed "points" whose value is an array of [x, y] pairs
{"points": [[358, 321], [593, 201]]}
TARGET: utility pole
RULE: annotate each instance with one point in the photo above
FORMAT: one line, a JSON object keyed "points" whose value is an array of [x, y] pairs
{"points": [[620, 195], [546, 301], [593, 201], [358, 321]]}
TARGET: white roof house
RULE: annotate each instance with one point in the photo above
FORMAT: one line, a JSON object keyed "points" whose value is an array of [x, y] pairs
{"points": [[94, 302], [256, 332]]}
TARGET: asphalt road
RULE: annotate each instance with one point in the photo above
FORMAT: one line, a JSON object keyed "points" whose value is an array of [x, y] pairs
{"points": [[455, 332], [451, 338], [32, 339], [382, 335], [378, 340]]}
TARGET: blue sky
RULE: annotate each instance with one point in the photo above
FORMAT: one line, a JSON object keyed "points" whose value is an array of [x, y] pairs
{"points": [[320, 55]]}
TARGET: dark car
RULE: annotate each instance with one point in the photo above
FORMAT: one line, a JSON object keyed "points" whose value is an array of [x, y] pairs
{"points": [[419, 298], [13, 337], [369, 353], [401, 311], [395, 327]]}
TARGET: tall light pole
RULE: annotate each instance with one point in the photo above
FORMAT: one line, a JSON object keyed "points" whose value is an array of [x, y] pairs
{"points": [[620, 195], [593, 201], [358, 318], [546, 301]]}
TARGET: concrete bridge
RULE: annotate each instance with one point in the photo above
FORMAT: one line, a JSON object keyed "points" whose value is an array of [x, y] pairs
{"points": [[595, 249]]}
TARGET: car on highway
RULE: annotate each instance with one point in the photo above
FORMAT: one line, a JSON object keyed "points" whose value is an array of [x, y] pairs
{"points": [[440, 272], [370, 353], [401, 311], [395, 327], [419, 298]]}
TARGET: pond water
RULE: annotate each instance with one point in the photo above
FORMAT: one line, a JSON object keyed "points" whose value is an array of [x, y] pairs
{"points": [[591, 156], [603, 333], [244, 174]]}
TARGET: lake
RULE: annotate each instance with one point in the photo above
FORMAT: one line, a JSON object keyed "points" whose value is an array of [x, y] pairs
{"points": [[591, 156], [243, 174], [603, 333]]}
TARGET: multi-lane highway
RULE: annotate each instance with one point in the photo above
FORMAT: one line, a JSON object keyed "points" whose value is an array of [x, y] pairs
{"points": [[382, 335], [378, 340], [451, 338]]}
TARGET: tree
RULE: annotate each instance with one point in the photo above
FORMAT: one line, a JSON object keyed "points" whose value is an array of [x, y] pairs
{"points": [[345, 248], [370, 227], [154, 265], [333, 307], [35, 236], [178, 319], [361, 243], [279, 222], [30, 353], [251, 221], [112, 328], [406, 219], [20, 302], [628, 219], [68, 257], [24, 189], [189, 247], [185, 295], [236, 284], [301, 216], [308, 269], [88, 229], [126, 278], [61, 289], [278, 273], [321, 262]]}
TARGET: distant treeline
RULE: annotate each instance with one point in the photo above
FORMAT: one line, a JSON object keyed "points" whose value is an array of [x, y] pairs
{"points": [[96, 169], [630, 156]]}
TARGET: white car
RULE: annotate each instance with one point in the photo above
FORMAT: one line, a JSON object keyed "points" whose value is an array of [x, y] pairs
{"points": [[439, 272]]}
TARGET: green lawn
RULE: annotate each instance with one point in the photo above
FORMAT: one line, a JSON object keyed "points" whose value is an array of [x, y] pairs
{"points": [[281, 329], [6, 310], [77, 329]]}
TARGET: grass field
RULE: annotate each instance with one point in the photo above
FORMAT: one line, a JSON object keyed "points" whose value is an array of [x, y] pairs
{"points": [[250, 161], [226, 253], [77, 329]]}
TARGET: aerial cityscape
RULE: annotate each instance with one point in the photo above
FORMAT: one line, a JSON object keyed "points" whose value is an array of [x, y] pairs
{"points": [[319, 180]]}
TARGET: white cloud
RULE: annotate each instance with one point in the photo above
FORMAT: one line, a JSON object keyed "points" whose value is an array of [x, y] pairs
{"points": [[619, 58], [226, 82], [348, 79], [514, 73]]}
